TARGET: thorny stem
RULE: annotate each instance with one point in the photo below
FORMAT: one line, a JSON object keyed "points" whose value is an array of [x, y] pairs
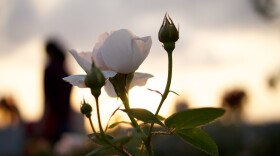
{"points": [[121, 151], [164, 96], [91, 124], [99, 119], [142, 146], [121, 84], [133, 121], [163, 133], [136, 126], [167, 87]]}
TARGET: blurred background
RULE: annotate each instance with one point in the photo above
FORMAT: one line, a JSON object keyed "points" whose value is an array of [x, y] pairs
{"points": [[228, 55]]}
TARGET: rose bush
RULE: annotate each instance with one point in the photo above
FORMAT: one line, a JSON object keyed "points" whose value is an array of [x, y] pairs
{"points": [[117, 52]]}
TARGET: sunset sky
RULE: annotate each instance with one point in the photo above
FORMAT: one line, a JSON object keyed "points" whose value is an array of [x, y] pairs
{"points": [[223, 44]]}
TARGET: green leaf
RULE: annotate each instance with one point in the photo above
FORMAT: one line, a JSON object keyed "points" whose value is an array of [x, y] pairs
{"points": [[99, 140], [193, 117], [98, 151], [117, 123], [199, 139], [111, 117], [161, 118], [144, 115], [122, 140]]}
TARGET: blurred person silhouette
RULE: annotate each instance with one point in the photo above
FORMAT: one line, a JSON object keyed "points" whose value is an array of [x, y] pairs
{"points": [[9, 112], [181, 105], [234, 101], [273, 80], [268, 9], [11, 128], [57, 109]]}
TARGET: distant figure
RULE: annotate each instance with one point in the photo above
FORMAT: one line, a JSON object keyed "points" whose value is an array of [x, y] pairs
{"points": [[234, 101], [57, 110], [266, 8], [272, 82], [9, 113], [11, 128], [181, 105]]}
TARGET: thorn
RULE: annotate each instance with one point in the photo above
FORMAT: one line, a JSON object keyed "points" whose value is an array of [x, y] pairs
{"points": [[155, 91], [174, 92]]}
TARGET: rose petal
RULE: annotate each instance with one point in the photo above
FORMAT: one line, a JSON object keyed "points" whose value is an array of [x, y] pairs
{"points": [[84, 59], [97, 57], [140, 79], [76, 80], [141, 47], [108, 73], [109, 88], [117, 51]]}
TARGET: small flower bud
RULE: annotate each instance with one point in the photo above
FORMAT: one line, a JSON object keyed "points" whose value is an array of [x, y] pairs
{"points": [[168, 34], [86, 109], [95, 80]]}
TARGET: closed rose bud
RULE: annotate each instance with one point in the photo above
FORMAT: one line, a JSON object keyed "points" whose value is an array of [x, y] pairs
{"points": [[95, 80], [168, 34], [86, 109]]}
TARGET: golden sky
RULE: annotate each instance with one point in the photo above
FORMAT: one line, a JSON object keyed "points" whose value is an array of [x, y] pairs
{"points": [[223, 44]]}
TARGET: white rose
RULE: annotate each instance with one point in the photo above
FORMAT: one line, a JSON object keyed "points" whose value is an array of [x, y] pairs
{"points": [[118, 52]]}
